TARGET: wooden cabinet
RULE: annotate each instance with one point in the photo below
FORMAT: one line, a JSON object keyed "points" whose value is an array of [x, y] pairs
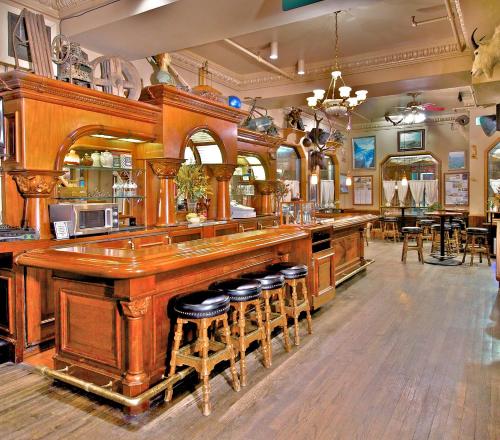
{"points": [[7, 304], [323, 277], [179, 236]]}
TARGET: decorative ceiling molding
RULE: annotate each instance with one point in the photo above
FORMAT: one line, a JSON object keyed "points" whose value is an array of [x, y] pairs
{"points": [[59, 8], [382, 124], [321, 70]]}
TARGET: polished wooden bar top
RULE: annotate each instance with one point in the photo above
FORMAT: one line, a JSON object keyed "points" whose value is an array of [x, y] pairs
{"points": [[132, 263], [337, 223]]}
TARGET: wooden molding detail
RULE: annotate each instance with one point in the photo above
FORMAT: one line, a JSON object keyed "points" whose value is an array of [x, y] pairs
{"points": [[35, 183], [222, 171], [256, 138], [266, 187], [165, 168], [18, 84], [135, 309], [161, 94]]}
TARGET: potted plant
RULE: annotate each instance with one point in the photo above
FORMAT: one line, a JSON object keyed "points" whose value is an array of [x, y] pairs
{"points": [[192, 184]]}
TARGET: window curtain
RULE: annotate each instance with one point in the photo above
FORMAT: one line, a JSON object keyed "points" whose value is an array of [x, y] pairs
{"points": [[402, 191], [417, 190], [389, 190], [431, 191], [327, 193]]}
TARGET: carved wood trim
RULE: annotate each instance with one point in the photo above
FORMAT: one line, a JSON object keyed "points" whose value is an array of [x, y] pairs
{"points": [[135, 309], [165, 168], [256, 138], [35, 183], [222, 171]]}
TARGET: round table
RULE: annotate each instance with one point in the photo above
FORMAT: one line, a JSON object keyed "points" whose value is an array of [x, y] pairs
{"points": [[442, 259]]}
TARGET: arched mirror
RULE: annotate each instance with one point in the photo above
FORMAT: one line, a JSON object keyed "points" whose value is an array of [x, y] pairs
{"points": [[250, 168], [410, 181], [203, 148], [288, 164], [493, 178]]}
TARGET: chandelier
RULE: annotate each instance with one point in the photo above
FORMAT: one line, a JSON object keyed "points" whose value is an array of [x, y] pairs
{"points": [[334, 103]]}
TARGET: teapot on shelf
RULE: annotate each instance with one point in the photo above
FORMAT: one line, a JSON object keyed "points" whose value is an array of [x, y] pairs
{"points": [[106, 159], [96, 159]]}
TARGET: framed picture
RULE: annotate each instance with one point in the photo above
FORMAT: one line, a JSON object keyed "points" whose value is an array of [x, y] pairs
{"points": [[456, 189], [456, 160], [362, 190], [344, 189], [411, 140], [363, 152]]}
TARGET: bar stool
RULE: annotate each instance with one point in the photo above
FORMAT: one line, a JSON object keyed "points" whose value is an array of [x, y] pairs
{"points": [[390, 228], [202, 308], [436, 237], [272, 289], [476, 242], [412, 233], [426, 224], [295, 275], [244, 294]]}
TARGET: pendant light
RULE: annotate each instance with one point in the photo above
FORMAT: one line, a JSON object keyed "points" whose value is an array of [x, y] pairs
{"points": [[274, 50]]}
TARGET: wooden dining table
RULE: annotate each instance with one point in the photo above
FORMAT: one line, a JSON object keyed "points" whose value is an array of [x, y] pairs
{"points": [[442, 259]]}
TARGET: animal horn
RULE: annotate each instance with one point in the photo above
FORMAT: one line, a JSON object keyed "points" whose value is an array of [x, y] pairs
{"points": [[474, 44]]}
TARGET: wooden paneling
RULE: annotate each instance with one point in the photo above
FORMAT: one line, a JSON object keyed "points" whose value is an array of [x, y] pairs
{"points": [[7, 303]]}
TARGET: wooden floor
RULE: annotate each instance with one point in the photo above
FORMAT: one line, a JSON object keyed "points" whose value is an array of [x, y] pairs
{"points": [[403, 352]]}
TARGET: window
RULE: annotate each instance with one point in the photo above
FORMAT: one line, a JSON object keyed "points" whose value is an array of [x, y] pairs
{"points": [[202, 148]]}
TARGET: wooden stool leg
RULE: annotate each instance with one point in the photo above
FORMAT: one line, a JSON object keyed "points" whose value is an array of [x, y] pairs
{"points": [[173, 356], [466, 247], [487, 247], [421, 247], [267, 309], [472, 250], [263, 339], [405, 248], [205, 371], [308, 308], [232, 364], [242, 346], [284, 318], [293, 287]]}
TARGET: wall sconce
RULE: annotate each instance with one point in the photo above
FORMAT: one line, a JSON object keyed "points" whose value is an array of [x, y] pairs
{"points": [[274, 50], [314, 179]]}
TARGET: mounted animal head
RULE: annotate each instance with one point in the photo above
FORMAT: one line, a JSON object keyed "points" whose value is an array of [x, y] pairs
{"points": [[486, 54]]}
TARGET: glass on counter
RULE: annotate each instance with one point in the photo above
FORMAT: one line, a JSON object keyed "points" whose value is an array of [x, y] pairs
{"points": [[297, 213]]}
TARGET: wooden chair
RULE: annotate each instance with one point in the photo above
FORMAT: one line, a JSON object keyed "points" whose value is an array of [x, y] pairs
{"points": [[412, 234], [476, 242], [202, 308], [295, 276], [390, 228]]}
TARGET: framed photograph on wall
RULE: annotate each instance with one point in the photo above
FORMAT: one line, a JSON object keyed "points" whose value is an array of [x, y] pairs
{"points": [[363, 153], [411, 140], [456, 160], [362, 190], [456, 189], [344, 189]]}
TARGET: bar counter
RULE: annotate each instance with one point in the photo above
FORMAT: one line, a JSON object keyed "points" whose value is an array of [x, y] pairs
{"points": [[112, 305]]}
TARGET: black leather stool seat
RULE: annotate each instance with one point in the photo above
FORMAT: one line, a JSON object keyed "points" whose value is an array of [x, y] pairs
{"points": [[202, 304], [239, 290], [289, 270], [411, 230], [437, 227], [477, 231], [390, 219], [268, 280]]}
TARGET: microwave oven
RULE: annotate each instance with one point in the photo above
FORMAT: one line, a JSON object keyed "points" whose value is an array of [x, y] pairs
{"points": [[86, 218]]}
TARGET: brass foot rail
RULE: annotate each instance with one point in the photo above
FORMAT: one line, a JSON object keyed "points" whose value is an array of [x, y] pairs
{"points": [[103, 391]]}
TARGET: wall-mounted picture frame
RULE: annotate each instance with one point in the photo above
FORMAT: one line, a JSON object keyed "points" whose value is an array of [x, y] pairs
{"points": [[411, 140], [344, 189], [456, 189], [364, 153], [362, 190], [456, 160]]}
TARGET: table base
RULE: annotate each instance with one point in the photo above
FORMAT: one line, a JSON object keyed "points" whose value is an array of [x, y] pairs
{"points": [[440, 261]]}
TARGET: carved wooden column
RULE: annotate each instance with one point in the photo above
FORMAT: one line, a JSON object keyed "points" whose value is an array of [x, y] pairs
{"points": [[166, 169], [266, 189], [223, 173], [36, 187], [133, 383]]}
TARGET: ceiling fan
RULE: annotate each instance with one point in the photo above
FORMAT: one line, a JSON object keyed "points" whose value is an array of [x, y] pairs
{"points": [[413, 113]]}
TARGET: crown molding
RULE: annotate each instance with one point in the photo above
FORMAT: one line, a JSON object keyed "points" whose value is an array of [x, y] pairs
{"points": [[382, 124], [321, 70]]}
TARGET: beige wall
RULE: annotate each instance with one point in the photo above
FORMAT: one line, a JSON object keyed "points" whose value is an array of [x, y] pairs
{"points": [[440, 139]]}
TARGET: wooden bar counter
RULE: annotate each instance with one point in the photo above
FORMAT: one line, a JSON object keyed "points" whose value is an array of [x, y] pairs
{"points": [[112, 305]]}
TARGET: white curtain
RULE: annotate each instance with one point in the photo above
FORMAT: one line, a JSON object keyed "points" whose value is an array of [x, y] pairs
{"points": [[431, 191], [417, 190], [402, 191], [327, 193], [294, 189], [389, 190]]}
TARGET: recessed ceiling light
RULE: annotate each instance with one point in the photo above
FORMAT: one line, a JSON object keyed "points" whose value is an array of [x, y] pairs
{"points": [[274, 50], [103, 136], [132, 140]]}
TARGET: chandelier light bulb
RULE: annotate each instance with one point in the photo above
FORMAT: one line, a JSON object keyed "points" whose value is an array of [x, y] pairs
{"points": [[353, 101], [361, 94], [274, 50], [312, 101], [319, 94], [336, 74], [345, 91], [404, 181], [301, 70]]}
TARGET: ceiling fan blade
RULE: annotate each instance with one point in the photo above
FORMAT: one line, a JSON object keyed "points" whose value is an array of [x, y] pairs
{"points": [[432, 107]]}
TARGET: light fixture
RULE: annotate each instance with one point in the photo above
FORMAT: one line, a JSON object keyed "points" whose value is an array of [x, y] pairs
{"points": [[314, 179], [103, 136], [274, 50], [132, 140], [348, 179], [327, 102], [301, 67], [404, 180]]}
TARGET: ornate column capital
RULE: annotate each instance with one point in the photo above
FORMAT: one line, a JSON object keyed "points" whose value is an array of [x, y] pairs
{"points": [[165, 167], [266, 187], [222, 171], [135, 309], [35, 183]]}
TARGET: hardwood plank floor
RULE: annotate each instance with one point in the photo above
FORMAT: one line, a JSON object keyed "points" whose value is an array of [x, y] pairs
{"points": [[403, 352]]}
